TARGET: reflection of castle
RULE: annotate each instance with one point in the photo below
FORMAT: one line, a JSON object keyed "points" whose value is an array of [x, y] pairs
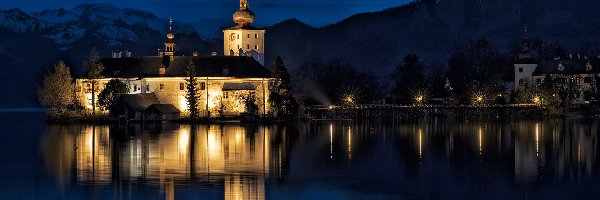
{"points": [[239, 158]]}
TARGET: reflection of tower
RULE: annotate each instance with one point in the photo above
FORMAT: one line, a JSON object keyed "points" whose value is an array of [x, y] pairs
{"points": [[170, 44], [244, 187], [244, 39]]}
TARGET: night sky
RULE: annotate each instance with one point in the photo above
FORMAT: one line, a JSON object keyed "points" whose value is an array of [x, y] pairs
{"points": [[313, 12]]}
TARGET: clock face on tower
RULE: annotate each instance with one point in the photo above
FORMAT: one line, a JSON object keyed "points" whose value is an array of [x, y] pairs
{"points": [[232, 37]]}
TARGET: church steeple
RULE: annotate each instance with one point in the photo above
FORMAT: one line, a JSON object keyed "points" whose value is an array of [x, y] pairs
{"points": [[525, 40], [243, 16], [170, 44], [243, 4]]}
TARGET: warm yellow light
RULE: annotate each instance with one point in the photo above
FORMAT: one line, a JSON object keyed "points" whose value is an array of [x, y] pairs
{"points": [[537, 100], [419, 98], [479, 98], [537, 139], [212, 101], [183, 140], [182, 103]]}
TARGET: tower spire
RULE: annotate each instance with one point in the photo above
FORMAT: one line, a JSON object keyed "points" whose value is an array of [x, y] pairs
{"points": [[525, 40], [243, 4], [170, 24]]}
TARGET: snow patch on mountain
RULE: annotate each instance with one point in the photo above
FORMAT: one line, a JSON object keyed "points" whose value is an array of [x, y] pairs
{"points": [[67, 26]]}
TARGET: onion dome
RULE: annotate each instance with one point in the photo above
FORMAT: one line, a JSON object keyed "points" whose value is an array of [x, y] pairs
{"points": [[244, 16]]}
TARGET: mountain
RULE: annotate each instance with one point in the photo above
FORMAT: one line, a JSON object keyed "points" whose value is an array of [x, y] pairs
{"points": [[378, 41], [33, 42]]}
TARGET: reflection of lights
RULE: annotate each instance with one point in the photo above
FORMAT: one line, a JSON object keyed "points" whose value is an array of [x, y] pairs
{"points": [[183, 141], [330, 140], [213, 144], [480, 140], [537, 139], [420, 143], [238, 136], [349, 143]]}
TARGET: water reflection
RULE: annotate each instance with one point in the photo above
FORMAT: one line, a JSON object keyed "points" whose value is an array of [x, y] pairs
{"points": [[243, 161], [238, 158]]}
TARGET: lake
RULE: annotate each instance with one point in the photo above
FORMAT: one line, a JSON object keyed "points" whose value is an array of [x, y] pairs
{"points": [[420, 159]]}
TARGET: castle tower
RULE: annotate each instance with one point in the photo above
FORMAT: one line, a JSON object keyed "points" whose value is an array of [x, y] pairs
{"points": [[170, 44], [244, 39], [525, 63]]}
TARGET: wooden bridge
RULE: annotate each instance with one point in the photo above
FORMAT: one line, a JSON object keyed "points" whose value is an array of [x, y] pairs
{"points": [[389, 111]]}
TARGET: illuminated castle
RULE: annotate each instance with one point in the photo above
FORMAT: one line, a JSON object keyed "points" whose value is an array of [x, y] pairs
{"points": [[244, 39], [224, 81]]}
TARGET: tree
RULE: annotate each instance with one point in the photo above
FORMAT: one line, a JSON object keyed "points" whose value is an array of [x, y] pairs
{"points": [[113, 90], [281, 99], [191, 93], [250, 104], [57, 89], [94, 70], [409, 77]]}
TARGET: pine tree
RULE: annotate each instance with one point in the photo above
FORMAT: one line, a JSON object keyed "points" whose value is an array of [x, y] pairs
{"points": [[57, 89], [409, 77], [280, 98], [93, 71], [113, 90], [191, 93]]}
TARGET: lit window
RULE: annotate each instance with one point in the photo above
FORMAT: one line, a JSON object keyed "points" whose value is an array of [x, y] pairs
{"points": [[162, 86], [181, 86], [202, 86]]}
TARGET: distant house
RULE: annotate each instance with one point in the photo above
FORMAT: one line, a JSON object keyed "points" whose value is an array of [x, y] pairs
{"points": [[576, 74], [133, 106], [162, 112]]}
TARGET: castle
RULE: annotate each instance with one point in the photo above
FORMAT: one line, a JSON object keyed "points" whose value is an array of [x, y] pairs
{"points": [[224, 81]]}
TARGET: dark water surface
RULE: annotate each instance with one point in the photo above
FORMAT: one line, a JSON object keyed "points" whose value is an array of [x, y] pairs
{"points": [[435, 159]]}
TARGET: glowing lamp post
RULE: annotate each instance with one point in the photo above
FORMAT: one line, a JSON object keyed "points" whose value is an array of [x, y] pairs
{"points": [[537, 100], [419, 99], [479, 100]]}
